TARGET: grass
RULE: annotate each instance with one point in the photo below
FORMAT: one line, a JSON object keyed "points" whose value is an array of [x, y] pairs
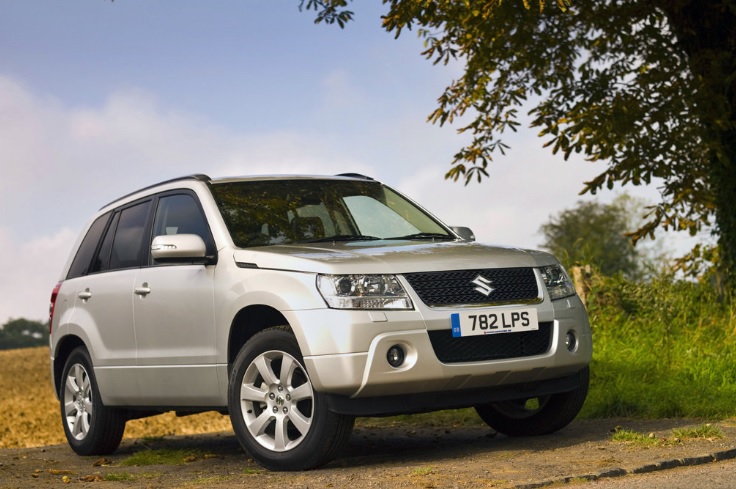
{"points": [[162, 456], [706, 431], [439, 419], [209, 480], [635, 438], [662, 349], [423, 471], [120, 477]]}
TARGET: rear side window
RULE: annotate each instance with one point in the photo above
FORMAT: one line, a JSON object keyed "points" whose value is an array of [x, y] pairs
{"points": [[86, 250], [128, 250]]}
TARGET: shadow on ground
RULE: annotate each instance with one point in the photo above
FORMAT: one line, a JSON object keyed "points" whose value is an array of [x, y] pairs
{"points": [[374, 457]]}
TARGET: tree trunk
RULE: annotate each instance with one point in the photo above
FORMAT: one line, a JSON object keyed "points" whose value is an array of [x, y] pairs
{"points": [[706, 31], [723, 178]]}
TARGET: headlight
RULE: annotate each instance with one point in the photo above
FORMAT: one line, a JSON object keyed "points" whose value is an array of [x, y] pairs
{"points": [[363, 292], [558, 283]]}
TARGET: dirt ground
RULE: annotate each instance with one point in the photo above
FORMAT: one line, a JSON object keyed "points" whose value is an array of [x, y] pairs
{"points": [[381, 457]]}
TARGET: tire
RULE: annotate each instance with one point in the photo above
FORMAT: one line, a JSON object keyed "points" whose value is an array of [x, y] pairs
{"points": [[536, 416], [91, 428], [277, 416]]}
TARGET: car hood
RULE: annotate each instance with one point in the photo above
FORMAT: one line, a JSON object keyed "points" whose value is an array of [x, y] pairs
{"points": [[389, 257]]}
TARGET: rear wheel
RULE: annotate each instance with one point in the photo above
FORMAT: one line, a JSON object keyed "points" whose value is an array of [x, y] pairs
{"points": [[278, 417], [536, 415], [91, 428]]}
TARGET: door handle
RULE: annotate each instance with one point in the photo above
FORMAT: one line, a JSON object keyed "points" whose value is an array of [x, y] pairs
{"points": [[85, 295], [143, 290]]}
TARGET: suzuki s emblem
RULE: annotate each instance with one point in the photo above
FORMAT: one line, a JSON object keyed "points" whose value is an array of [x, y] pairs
{"points": [[483, 285]]}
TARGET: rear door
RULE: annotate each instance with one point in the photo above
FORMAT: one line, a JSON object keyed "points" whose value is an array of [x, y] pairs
{"points": [[104, 301]]}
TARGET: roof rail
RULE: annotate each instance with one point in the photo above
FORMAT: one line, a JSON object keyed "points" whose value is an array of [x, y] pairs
{"points": [[354, 175], [197, 176]]}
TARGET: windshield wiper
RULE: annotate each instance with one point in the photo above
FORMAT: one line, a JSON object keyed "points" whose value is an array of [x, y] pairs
{"points": [[341, 237], [431, 236]]}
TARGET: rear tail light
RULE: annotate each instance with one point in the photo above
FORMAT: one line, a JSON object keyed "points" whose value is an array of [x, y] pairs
{"points": [[52, 305]]}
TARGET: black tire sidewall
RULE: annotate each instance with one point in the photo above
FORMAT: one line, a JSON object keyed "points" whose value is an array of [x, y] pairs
{"points": [[558, 412], [106, 425], [310, 453]]}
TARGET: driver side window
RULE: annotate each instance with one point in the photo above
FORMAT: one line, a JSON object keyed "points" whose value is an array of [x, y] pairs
{"points": [[180, 214]]}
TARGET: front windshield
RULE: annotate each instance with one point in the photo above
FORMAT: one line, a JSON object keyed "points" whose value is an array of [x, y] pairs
{"points": [[270, 212]]}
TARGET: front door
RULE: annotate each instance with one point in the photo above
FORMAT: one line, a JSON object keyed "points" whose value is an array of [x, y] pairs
{"points": [[175, 318]]}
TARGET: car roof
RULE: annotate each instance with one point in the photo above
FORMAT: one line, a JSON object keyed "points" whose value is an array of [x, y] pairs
{"points": [[205, 178]]}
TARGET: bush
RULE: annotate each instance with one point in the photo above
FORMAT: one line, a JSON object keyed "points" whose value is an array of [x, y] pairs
{"points": [[662, 348]]}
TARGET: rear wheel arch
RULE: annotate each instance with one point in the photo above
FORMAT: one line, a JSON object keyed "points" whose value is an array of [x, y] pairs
{"points": [[64, 348]]}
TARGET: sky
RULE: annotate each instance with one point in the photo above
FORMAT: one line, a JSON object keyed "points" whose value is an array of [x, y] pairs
{"points": [[100, 98]]}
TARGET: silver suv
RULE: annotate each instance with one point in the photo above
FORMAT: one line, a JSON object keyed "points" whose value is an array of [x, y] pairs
{"points": [[295, 304]]}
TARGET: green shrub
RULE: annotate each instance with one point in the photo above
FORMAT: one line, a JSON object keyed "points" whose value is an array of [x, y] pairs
{"points": [[662, 348]]}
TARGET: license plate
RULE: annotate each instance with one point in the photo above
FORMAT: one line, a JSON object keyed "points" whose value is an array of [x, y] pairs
{"points": [[506, 321]]}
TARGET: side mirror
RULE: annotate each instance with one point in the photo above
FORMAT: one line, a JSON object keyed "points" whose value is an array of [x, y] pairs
{"points": [[466, 234], [178, 247]]}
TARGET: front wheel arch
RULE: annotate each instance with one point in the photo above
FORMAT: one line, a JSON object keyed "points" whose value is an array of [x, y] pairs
{"points": [[248, 322]]}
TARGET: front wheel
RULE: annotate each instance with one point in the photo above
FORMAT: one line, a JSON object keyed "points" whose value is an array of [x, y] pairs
{"points": [[91, 428], [537, 415], [278, 417]]}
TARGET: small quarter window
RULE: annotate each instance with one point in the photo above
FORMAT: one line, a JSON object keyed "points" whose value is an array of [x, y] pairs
{"points": [[102, 262], [86, 250]]}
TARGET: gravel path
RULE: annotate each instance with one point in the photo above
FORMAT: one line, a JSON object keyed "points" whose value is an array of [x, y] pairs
{"points": [[384, 457]]}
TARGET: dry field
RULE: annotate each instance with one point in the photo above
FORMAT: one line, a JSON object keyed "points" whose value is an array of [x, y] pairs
{"points": [[31, 415], [436, 452]]}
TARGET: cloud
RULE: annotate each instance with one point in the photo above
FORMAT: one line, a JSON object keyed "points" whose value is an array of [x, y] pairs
{"points": [[30, 271], [62, 163], [524, 188], [338, 92]]}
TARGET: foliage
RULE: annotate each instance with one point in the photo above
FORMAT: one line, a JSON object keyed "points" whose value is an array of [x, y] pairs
{"points": [[646, 88], [328, 11], [594, 234], [23, 333], [662, 348]]}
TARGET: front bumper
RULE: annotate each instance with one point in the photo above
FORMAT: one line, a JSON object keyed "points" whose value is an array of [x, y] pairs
{"points": [[361, 369]]}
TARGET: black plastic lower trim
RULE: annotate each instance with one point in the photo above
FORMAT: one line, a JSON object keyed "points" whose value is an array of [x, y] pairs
{"points": [[434, 401]]}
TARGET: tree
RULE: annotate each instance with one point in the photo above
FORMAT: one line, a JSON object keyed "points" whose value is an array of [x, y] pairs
{"points": [[595, 234], [23, 333], [647, 87]]}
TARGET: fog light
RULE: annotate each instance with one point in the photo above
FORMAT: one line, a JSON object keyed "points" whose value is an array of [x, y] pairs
{"points": [[395, 356], [571, 342]]}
